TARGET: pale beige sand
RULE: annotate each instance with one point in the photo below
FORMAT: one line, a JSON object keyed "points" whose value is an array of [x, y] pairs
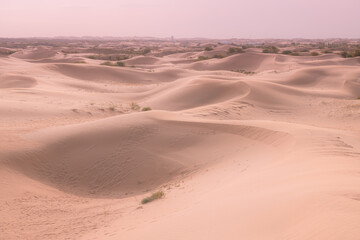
{"points": [[270, 155]]}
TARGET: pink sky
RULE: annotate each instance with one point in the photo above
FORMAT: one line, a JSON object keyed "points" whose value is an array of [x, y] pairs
{"points": [[186, 18]]}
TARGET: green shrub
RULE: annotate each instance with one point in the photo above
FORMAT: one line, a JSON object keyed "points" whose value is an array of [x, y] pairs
{"points": [[202, 58], [146, 51], [244, 72], [314, 54], [107, 63], [117, 64], [345, 54], [286, 52], [218, 56], [233, 50], [121, 64], [270, 49], [209, 49], [327, 51], [134, 106], [144, 109], [154, 196]]}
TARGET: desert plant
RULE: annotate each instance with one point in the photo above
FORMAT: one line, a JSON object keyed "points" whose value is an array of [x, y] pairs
{"points": [[120, 64], [144, 109], [112, 107], [146, 51], [314, 54], [117, 64], [244, 72], [134, 106], [202, 58], [218, 56], [107, 63], [154, 196], [233, 50], [270, 49], [286, 52], [209, 49]]}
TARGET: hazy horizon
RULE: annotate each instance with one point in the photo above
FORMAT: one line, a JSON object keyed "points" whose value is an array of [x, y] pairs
{"points": [[181, 19]]}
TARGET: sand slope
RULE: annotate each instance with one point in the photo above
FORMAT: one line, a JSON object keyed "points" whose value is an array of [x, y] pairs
{"points": [[268, 155]]}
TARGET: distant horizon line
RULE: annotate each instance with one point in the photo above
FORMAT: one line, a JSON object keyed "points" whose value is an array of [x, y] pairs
{"points": [[179, 38]]}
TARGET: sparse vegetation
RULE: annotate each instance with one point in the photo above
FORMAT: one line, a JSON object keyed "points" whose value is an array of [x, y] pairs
{"points": [[117, 64], [144, 109], [350, 54], [314, 54], [120, 64], [209, 49], [134, 106], [234, 50], [286, 52], [154, 196], [146, 51], [108, 57], [270, 49], [244, 72], [202, 58], [218, 56]]}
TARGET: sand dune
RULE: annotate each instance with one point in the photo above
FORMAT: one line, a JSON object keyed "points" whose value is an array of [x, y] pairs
{"points": [[17, 81], [189, 94], [35, 54], [142, 60], [115, 74], [117, 156], [242, 61], [249, 146]]}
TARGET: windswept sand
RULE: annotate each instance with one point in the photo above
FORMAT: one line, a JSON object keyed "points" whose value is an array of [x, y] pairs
{"points": [[272, 155]]}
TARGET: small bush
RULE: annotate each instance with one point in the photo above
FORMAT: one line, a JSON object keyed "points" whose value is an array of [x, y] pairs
{"points": [[144, 109], [244, 72], [146, 51], [121, 64], [209, 49], [314, 54], [218, 56], [270, 49], [202, 58], [233, 50], [355, 53], [117, 64], [286, 52], [107, 63], [327, 51], [134, 106], [154, 196]]}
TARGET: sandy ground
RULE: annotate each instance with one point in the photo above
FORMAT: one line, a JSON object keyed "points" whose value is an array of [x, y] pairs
{"points": [[274, 154]]}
